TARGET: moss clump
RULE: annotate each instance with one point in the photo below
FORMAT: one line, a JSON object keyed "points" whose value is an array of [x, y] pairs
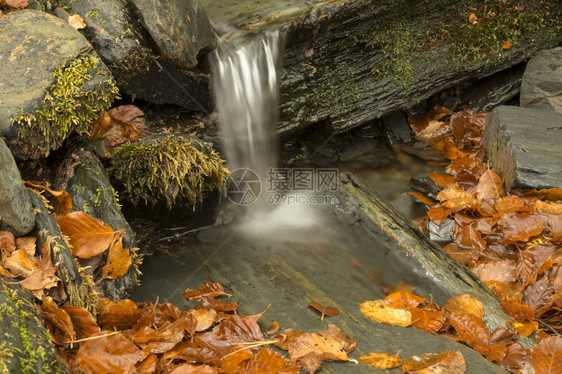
{"points": [[67, 107], [136, 62], [168, 169]]}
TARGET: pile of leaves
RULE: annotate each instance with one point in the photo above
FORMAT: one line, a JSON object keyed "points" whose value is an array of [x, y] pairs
{"points": [[128, 337], [97, 248], [511, 241], [461, 320]]}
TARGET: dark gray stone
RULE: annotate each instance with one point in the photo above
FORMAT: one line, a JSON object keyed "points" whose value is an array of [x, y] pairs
{"points": [[497, 89], [441, 234], [180, 28], [542, 83], [398, 125], [523, 146], [26, 346], [16, 212], [126, 47], [426, 186]]}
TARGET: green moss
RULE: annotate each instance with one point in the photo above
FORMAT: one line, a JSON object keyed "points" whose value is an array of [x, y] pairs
{"points": [[93, 14], [67, 107], [166, 168], [136, 62], [5, 355]]}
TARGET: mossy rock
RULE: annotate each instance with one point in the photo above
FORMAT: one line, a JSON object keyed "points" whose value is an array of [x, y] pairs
{"points": [[170, 177], [26, 345], [52, 83]]}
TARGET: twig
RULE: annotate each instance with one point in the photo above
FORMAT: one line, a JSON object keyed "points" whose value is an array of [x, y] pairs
{"points": [[250, 345], [92, 338]]}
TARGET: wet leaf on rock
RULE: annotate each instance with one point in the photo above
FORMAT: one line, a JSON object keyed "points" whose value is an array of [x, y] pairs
{"points": [[464, 303], [449, 362], [381, 361], [88, 236], [381, 313]]}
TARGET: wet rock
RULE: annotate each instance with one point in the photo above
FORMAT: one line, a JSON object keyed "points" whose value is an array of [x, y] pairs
{"points": [[497, 89], [358, 148], [79, 287], [426, 186], [441, 234], [451, 103], [127, 48], [542, 83], [398, 125], [52, 82], [523, 146], [85, 180], [26, 346], [16, 212], [180, 28]]}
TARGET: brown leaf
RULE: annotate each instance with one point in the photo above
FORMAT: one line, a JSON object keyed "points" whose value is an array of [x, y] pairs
{"points": [[205, 318], [268, 361], [84, 323], [286, 338], [27, 244], [324, 310], [118, 260], [464, 303], [442, 180], [548, 207], [515, 358], [546, 357], [418, 124], [60, 320], [439, 214], [14, 4], [109, 354], [194, 369], [120, 125], [552, 194], [381, 361], [539, 296], [511, 203], [232, 330], [232, 363], [333, 331], [470, 328], [88, 236], [490, 186], [121, 315], [381, 313], [457, 199], [445, 363], [403, 300], [421, 198], [501, 271], [20, 264], [520, 226], [159, 340], [526, 328], [273, 328], [148, 365], [192, 352], [219, 305], [469, 238], [60, 199], [311, 350], [209, 290], [493, 352], [517, 311], [428, 320], [7, 243]]}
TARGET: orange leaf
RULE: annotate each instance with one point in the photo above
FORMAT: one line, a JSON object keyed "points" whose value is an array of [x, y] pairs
{"points": [[381, 361], [472, 18], [20, 264], [76, 21], [159, 340], [205, 318], [518, 311], [469, 238], [419, 124], [506, 45], [445, 363], [109, 354], [381, 313], [118, 261], [490, 186], [88, 236], [325, 310], [442, 180], [15, 4], [439, 214], [464, 303], [493, 352], [428, 320], [419, 197], [546, 357], [526, 328], [273, 328], [470, 328], [120, 125], [268, 361], [59, 318], [231, 363], [548, 207], [333, 331], [520, 226], [310, 350], [403, 300], [121, 315], [457, 199], [60, 199], [84, 323], [209, 290]]}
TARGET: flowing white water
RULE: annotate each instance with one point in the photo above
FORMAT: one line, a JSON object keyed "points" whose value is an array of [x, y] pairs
{"points": [[247, 95]]}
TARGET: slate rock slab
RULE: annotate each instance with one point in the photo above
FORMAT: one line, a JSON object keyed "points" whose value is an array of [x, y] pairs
{"points": [[542, 82], [127, 48], [16, 212], [180, 28], [523, 145]]}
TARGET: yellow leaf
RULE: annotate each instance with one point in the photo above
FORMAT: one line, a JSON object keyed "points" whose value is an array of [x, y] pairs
{"points": [[464, 303], [118, 261], [378, 312], [76, 21], [381, 361]]}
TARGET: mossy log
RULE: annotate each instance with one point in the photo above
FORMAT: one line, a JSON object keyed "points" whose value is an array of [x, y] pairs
{"points": [[326, 254], [348, 62], [25, 346]]}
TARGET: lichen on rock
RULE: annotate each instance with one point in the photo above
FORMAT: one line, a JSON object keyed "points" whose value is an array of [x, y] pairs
{"points": [[170, 169], [67, 106]]}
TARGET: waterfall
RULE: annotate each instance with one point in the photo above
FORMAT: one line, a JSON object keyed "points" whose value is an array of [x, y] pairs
{"points": [[245, 81]]}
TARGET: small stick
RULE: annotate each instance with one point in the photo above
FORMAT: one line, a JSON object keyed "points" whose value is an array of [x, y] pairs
{"points": [[250, 345]]}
